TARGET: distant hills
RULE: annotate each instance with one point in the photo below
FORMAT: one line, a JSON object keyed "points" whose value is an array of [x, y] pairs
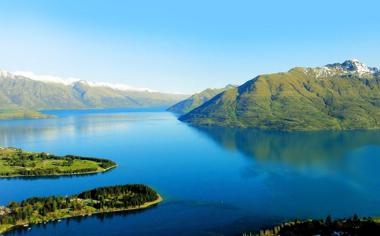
{"points": [[196, 100], [338, 96], [21, 93]]}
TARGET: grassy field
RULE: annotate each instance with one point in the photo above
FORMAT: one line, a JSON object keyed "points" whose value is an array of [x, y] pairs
{"points": [[15, 162], [5, 227]]}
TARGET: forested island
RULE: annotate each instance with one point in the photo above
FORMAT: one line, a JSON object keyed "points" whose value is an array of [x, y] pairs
{"points": [[15, 162], [38, 210], [343, 227]]}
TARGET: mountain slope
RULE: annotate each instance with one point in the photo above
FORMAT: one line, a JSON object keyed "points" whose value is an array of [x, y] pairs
{"points": [[196, 100], [334, 97], [20, 92]]}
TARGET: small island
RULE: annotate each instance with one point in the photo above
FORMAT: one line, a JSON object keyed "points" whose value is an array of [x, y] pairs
{"points": [[15, 162], [38, 210], [348, 226]]}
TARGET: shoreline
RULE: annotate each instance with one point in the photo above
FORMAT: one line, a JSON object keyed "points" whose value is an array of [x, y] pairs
{"points": [[58, 175], [275, 229], [144, 206]]}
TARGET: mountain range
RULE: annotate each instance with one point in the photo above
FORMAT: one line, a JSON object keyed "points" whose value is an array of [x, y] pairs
{"points": [[22, 93], [339, 96], [197, 99]]}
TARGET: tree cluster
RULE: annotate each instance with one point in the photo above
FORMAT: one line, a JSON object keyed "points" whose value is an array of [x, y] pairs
{"points": [[119, 197], [342, 227]]}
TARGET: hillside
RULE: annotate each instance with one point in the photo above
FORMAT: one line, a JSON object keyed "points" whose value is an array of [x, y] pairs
{"points": [[334, 97], [196, 100], [22, 93]]}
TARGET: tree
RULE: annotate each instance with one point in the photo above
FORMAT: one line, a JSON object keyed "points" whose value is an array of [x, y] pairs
{"points": [[328, 220]]}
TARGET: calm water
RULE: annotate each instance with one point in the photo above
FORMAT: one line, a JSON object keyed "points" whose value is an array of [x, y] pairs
{"points": [[214, 181]]}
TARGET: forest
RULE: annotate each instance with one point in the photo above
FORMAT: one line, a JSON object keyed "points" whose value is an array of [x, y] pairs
{"points": [[342, 227]]}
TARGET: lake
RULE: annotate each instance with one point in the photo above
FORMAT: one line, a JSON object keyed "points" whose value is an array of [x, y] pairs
{"points": [[214, 181]]}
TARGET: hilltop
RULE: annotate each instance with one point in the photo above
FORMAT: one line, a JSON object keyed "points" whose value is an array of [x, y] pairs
{"points": [[197, 99]]}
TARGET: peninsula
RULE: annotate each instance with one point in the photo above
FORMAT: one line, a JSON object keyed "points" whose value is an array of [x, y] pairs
{"points": [[15, 162], [37, 210]]}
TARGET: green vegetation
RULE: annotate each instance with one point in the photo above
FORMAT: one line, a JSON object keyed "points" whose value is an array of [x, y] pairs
{"points": [[100, 200], [328, 98], [8, 114], [327, 227], [196, 100], [16, 162]]}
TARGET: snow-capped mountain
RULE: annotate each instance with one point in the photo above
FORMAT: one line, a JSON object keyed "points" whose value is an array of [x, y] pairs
{"points": [[31, 91], [353, 66], [340, 96], [6, 74], [71, 81]]}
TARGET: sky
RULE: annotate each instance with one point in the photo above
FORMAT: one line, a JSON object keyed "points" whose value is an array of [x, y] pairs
{"points": [[183, 46]]}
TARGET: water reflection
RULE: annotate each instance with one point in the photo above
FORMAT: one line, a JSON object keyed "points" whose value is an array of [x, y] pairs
{"points": [[313, 147], [353, 153], [85, 124]]}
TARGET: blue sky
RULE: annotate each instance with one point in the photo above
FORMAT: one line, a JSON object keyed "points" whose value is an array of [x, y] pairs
{"points": [[183, 46]]}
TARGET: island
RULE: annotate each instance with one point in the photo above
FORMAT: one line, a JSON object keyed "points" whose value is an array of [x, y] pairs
{"points": [[15, 162], [37, 210], [348, 226]]}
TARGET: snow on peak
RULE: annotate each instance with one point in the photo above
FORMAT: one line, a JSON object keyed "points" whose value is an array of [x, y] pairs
{"points": [[121, 87], [356, 65], [70, 81], [5, 74], [46, 78], [353, 66]]}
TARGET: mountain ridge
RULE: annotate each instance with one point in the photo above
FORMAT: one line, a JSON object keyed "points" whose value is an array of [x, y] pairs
{"points": [[197, 99], [334, 97], [71, 81], [20, 92]]}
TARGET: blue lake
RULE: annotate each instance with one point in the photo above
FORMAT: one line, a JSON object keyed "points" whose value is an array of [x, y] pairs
{"points": [[214, 181]]}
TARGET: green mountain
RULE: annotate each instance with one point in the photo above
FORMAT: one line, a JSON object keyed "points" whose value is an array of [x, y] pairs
{"points": [[334, 97], [20, 93], [196, 100]]}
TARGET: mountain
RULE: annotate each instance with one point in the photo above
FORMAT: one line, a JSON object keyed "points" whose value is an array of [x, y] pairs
{"points": [[340, 96], [39, 93], [196, 100]]}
